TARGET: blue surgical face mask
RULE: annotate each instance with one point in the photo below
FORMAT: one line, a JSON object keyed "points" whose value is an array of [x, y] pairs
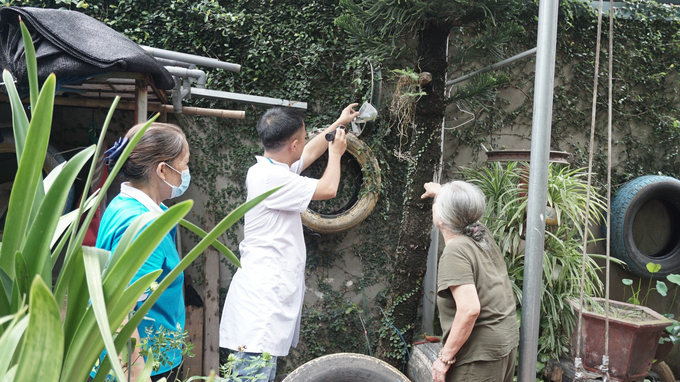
{"points": [[179, 190]]}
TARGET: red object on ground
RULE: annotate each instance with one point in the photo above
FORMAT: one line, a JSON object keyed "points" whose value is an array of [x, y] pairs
{"points": [[91, 234]]}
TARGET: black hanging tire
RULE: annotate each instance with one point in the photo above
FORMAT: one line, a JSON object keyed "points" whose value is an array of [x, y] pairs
{"points": [[359, 208], [645, 225], [346, 367]]}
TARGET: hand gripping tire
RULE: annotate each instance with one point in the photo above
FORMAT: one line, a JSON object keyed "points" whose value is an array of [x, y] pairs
{"points": [[360, 206], [346, 367], [645, 225]]}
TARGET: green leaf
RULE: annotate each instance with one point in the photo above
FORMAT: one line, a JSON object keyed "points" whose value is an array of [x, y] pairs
{"points": [[10, 339], [21, 274], [65, 222], [148, 368], [29, 174], [675, 279], [43, 348], [31, 64], [5, 293], [653, 268], [36, 248], [125, 305], [19, 118], [661, 288], [219, 246], [219, 229], [11, 373], [116, 281], [129, 235], [52, 176], [91, 257], [627, 282], [60, 289]]}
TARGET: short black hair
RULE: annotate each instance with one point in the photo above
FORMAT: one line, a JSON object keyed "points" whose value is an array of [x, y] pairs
{"points": [[278, 125]]}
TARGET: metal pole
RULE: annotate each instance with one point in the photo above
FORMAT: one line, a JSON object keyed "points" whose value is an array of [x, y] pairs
{"points": [[497, 65], [193, 59], [538, 184]]}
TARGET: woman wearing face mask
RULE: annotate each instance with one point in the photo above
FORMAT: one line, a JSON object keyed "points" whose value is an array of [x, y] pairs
{"points": [[156, 170]]}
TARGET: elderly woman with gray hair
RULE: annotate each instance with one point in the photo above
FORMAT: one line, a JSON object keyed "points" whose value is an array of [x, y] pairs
{"points": [[474, 295]]}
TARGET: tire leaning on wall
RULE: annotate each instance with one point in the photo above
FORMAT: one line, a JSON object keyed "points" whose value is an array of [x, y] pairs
{"points": [[368, 195], [346, 367], [645, 225]]}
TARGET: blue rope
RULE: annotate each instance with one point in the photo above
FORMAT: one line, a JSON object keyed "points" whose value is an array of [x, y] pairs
{"points": [[403, 364]]}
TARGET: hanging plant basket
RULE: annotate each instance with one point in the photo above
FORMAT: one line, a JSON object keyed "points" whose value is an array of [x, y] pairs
{"points": [[634, 333]]}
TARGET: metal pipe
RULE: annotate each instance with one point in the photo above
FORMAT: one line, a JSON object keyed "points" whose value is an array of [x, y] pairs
{"points": [[246, 98], [166, 62], [497, 65], [538, 183], [193, 59], [199, 75]]}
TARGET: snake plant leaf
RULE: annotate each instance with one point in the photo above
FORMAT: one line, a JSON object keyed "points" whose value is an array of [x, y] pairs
{"points": [[52, 176], [653, 268], [122, 272], [661, 288], [219, 229], [29, 174], [125, 305], [10, 339], [21, 274], [36, 248], [675, 279], [5, 293], [66, 221], [117, 280], [11, 373], [91, 257], [77, 239], [148, 368], [78, 299], [128, 236], [31, 64], [93, 168], [43, 348], [219, 246], [19, 118]]}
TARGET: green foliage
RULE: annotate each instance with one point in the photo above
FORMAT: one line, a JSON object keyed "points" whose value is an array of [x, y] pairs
{"points": [[505, 189], [165, 342], [99, 294]]}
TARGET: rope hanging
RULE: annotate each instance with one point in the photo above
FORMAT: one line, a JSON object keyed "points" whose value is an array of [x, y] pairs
{"points": [[604, 368]]}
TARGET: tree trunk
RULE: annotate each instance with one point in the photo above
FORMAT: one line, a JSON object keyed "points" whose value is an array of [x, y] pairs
{"points": [[414, 235]]}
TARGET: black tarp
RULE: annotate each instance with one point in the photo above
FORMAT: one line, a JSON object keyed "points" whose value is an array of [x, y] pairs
{"points": [[72, 45]]}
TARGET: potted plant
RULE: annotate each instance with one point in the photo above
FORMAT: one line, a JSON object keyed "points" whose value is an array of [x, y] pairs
{"points": [[506, 219], [635, 331]]}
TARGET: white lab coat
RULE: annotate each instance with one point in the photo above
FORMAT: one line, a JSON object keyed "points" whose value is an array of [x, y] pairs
{"points": [[264, 302]]}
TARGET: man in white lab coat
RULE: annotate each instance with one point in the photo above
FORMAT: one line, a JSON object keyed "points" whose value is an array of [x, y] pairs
{"points": [[264, 302]]}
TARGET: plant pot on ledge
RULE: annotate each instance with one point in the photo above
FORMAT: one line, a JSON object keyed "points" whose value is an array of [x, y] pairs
{"points": [[634, 333]]}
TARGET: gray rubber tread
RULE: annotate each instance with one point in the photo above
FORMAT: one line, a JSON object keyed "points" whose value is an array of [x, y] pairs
{"points": [[619, 210], [362, 208], [346, 367]]}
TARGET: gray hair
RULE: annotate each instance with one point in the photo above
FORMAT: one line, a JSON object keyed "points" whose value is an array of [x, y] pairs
{"points": [[460, 205]]}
